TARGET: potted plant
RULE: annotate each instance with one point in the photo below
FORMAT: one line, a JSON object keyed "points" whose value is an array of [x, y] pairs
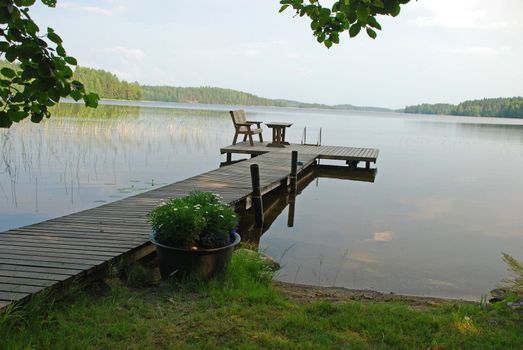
{"points": [[195, 234]]}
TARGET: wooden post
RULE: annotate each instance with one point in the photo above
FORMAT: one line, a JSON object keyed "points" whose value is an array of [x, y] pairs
{"points": [[292, 206], [257, 202], [294, 171], [229, 157]]}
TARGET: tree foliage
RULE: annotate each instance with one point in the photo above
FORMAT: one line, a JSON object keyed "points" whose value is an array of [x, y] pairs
{"points": [[205, 94], [350, 16], [107, 85], [44, 73], [510, 107]]}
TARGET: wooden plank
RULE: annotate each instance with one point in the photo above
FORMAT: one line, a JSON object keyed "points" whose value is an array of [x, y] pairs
{"points": [[20, 288], [65, 241], [51, 270], [57, 251], [43, 256], [129, 237], [34, 275], [39, 263], [26, 281], [12, 296]]}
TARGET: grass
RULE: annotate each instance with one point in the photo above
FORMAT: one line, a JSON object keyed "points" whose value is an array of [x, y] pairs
{"points": [[243, 310]]}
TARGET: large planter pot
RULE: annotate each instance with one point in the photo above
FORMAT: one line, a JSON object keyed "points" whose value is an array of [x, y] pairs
{"points": [[204, 263]]}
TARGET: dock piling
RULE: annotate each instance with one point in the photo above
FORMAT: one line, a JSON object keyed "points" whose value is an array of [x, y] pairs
{"points": [[294, 171], [256, 195]]}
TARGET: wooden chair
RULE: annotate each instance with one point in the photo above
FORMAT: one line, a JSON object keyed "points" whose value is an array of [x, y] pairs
{"points": [[245, 127]]}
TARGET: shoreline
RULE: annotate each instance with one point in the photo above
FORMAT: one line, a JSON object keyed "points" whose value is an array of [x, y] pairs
{"points": [[303, 293]]}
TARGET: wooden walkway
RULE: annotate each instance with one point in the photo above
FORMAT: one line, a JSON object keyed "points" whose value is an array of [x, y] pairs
{"points": [[352, 155], [56, 252]]}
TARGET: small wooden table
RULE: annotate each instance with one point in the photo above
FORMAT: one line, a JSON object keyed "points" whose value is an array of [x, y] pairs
{"points": [[278, 134]]}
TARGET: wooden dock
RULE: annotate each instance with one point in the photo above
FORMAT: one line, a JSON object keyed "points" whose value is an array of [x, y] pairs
{"points": [[53, 253], [351, 155]]}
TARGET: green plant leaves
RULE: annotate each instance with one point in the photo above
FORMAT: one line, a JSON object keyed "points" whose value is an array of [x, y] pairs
{"points": [[344, 15], [71, 60], [42, 73], [8, 72], [371, 33], [354, 30]]}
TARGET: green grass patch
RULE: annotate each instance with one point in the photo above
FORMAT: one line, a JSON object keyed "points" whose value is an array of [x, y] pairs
{"points": [[242, 310]]}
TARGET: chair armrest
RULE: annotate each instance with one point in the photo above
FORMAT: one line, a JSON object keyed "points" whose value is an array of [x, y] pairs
{"points": [[254, 122], [243, 124]]}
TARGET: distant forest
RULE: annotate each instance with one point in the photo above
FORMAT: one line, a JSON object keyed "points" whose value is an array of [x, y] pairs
{"points": [[511, 107], [108, 86], [204, 94]]}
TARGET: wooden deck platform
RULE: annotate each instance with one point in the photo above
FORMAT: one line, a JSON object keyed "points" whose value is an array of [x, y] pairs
{"points": [[351, 155], [53, 253]]}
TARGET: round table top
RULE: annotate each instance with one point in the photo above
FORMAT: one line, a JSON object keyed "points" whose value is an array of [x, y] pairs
{"points": [[278, 124]]}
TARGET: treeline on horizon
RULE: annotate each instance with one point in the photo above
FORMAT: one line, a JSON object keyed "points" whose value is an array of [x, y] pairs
{"points": [[109, 86], [506, 107]]}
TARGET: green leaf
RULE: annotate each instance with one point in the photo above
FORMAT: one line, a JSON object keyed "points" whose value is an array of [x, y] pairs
{"points": [[328, 43], [54, 38], [11, 54], [396, 10], [37, 117], [77, 85], [362, 14], [91, 100], [283, 8], [60, 51], [24, 2], [371, 33], [8, 72], [354, 30], [5, 121], [76, 95], [71, 60], [374, 23], [16, 116]]}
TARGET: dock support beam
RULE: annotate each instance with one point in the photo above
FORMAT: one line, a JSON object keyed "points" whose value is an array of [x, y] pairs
{"points": [[229, 157], [294, 171], [256, 195]]}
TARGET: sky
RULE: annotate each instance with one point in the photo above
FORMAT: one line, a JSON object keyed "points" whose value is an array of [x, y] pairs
{"points": [[434, 51]]}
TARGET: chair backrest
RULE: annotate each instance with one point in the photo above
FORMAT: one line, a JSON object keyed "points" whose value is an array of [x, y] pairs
{"points": [[238, 117]]}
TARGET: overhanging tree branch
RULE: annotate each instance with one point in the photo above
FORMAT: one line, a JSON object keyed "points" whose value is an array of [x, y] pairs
{"points": [[43, 73]]}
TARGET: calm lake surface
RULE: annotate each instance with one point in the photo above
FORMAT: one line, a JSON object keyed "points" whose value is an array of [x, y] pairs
{"points": [[446, 201]]}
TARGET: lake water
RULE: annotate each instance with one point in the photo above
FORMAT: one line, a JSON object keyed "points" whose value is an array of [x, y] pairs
{"points": [[446, 201]]}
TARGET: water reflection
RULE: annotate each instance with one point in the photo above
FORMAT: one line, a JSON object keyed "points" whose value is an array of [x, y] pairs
{"points": [[83, 157]]}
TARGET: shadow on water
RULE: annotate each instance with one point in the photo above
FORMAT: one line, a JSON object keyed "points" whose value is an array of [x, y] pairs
{"points": [[275, 202]]}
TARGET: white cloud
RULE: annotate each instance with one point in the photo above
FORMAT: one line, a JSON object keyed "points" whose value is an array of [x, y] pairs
{"points": [[482, 50], [383, 236], [456, 14], [111, 7], [123, 61], [126, 53]]}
